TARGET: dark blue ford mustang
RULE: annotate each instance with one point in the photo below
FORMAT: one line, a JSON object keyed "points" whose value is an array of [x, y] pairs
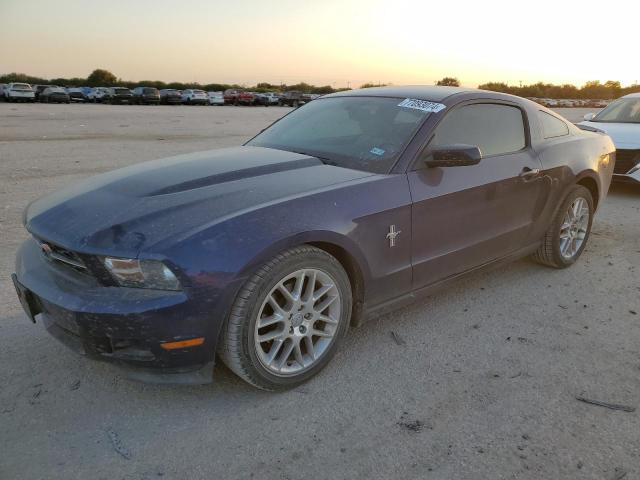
{"points": [[266, 253]]}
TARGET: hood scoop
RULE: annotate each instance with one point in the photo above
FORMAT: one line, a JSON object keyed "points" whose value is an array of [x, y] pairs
{"points": [[234, 175]]}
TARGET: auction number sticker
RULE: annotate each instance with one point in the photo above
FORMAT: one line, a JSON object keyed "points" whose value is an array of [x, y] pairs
{"points": [[423, 105]]}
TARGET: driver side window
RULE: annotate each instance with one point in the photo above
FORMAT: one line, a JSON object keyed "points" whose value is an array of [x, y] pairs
{"points": [[495, 129]]}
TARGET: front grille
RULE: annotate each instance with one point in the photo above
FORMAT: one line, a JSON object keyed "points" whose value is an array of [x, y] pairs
{"points": [[62, 256], [626, 160]]}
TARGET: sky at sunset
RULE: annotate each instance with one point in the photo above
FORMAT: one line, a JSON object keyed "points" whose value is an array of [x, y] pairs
{"points": [[329, 42]]}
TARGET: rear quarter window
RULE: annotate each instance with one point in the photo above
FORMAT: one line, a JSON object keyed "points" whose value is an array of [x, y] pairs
{"points": [[552, 127]]}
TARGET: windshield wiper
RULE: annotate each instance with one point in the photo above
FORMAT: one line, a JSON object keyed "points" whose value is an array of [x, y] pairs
{"points": [[324, 160]]}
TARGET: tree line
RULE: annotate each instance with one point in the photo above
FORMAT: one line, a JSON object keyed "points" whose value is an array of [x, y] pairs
{"points": [[103, 78], [590, 90]]}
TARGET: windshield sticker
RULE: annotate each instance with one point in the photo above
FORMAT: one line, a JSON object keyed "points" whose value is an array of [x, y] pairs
{"points": [[377, 151], [423, 105]]}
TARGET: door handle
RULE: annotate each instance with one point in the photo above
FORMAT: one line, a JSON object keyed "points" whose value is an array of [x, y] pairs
{"points": [[529, 174]]}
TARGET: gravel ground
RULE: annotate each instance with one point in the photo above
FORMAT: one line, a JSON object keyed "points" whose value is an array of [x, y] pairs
{"points": [[482, 385]]}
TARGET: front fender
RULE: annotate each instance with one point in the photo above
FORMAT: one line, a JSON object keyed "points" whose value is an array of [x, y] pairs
{"points": [[315, 236]]}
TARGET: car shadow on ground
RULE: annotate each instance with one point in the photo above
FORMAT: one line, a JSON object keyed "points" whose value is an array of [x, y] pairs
{"points": [[625, 189]]}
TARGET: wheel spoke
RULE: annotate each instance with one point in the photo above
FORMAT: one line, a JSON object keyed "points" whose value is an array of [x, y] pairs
{"points": [[273, 351], [297, 289], [324, 304], [297, 353], [308, 341], [319, 333], [270, 320], [284, 356], [311, 285], [318, 294], [275, 306], [269, 336], [327, 319], [286, 293]]}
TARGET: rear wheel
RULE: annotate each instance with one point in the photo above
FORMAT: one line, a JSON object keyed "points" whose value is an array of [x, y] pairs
{"points": [[288, 319], [567, 236]]}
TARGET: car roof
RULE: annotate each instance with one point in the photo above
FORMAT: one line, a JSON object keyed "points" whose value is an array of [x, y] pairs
{"points": [[632, 95], [420, 92]]}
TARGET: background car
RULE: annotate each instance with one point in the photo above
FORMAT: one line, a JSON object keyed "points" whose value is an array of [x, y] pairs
{"points": [[54, 94], [194, 97], [621, 121], [77, 94], [292, 99], [216, 98], [38, 89], [265, 254], [146, 96], [246, 98], [118, 95], [231, 96], [598, 103], [98, 94], [268, 98], [170, 96], [19, 92]]}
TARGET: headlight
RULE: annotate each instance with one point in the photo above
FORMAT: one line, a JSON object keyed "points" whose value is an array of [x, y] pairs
{"points": [[141, 273]]}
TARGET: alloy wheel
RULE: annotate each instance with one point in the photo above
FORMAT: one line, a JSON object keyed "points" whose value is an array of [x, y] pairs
{"points": [[573, 230], [297, 322]]}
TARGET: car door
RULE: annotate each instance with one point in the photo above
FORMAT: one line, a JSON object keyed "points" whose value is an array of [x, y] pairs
{"points": [[466, 216]]}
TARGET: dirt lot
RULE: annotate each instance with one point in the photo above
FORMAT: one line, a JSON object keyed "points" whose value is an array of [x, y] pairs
{"points": [[483, 387]]}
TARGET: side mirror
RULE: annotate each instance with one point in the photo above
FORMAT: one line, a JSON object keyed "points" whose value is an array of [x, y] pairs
{"points": [[589, 116], [453, 156]]}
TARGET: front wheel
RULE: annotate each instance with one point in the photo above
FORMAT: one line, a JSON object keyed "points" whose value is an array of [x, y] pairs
{"points": [[288, 320], [567, 236]]}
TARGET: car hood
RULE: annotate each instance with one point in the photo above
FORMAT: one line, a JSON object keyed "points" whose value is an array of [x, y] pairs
{"points": [[132, 209], [624, 135]]}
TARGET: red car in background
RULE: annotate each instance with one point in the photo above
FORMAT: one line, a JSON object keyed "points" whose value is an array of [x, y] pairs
{"points": [[239, 97]]}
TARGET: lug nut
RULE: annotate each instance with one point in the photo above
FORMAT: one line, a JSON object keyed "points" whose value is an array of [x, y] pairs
{"points": [[302, 329], [308, 316]]}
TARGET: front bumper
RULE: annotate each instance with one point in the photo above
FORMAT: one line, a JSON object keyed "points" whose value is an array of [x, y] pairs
{"points": [[148, 100], [627, 166], [121, 325], [123, 99], [21, 95], [58, 98]]}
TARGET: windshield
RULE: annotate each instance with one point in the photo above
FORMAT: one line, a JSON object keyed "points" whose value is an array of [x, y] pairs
{"points": [[21, 86], [363, 133], [624, 110], [150, 90]]}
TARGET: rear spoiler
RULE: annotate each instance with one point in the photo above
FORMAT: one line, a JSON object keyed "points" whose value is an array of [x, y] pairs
{"points": [[589, 128]]}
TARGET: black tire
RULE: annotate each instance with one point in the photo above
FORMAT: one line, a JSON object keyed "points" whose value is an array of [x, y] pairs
{"points": [[237, 348], [549, 251]]}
